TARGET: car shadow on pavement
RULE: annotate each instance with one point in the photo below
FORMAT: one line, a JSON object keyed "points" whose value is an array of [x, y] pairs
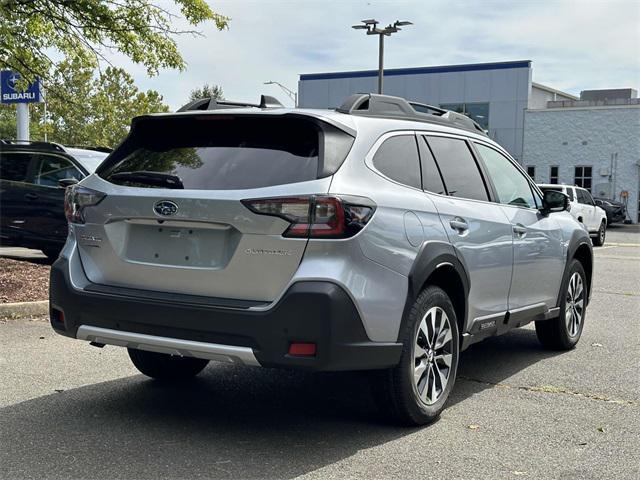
{"points": [[231, 422]]}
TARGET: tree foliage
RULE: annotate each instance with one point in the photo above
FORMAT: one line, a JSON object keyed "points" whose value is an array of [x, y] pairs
{"points": [[213, 91], [85, 108], [140, 29]]}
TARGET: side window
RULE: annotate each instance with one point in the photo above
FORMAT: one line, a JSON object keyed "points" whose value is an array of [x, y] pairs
{"points": [[14, 166], [397, 158], [431, 179], [458, 167], [570, 193], [51, 168], [582, 198], [511, 185], [589, 198]]}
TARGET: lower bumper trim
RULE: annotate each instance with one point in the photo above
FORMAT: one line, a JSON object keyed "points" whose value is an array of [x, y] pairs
{"points": [[171, 346]]}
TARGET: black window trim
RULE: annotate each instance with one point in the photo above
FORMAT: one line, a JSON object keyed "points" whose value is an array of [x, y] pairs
{"points": [[376, 146], [468, 141], [423, 147]]}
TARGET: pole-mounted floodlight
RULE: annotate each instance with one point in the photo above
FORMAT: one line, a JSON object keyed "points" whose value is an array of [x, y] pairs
{"points": [[371, 26], [290, 93]]}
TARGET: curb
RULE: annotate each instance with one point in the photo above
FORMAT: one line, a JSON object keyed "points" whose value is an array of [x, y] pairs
{"points": [[24, 309]]}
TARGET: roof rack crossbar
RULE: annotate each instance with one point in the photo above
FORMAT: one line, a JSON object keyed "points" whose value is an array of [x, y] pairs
{"points": [[387, 106], [210, 103]]}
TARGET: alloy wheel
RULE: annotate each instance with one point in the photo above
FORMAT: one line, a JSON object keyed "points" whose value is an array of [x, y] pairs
{"points": [[574, 305], [433, 355]]}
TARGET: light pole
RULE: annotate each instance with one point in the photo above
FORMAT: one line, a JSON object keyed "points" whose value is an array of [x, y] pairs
{"points": [[371, 26], [290, 93]]}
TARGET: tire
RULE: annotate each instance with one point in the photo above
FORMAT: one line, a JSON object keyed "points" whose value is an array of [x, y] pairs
{"points": [[598, 241], [162, 366], [396, 392], [563, 332]]}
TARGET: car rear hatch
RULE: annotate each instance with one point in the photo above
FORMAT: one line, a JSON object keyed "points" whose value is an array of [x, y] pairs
{"points": [[173, 218]]}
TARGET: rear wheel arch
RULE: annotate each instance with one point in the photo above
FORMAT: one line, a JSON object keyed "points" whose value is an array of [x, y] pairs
{"points": [[438, 264], [584, 255], [580, 249]]}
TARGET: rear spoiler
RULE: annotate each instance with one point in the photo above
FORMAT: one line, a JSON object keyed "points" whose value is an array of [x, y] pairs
{"points": [[210, 103]]}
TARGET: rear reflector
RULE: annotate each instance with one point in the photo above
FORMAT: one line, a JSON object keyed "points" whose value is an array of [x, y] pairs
{"points": [[316, 216], [57, 316], [302, 349]]}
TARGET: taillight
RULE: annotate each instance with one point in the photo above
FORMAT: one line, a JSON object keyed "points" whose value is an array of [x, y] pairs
{"points": [[316, 216], [76, 199]]}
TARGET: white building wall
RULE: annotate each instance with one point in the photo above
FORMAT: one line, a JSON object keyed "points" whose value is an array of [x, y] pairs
{"points": [[540, 96], [507, 91], [570, 137]]}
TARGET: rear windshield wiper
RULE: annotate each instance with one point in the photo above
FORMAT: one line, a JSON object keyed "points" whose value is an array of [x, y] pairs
{"points": [[158, 179]]}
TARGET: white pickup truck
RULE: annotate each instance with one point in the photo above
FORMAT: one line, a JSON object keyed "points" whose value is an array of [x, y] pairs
{"points": [[584, 209]]}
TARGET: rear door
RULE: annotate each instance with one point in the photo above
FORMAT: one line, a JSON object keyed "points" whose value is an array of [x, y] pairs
{"points": [[477, 228], [223, 230], [590, 206], [538, 258], [14, 201]]}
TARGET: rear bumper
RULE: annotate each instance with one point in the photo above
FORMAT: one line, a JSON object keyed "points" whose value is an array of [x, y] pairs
{"points": [[310, 312]]}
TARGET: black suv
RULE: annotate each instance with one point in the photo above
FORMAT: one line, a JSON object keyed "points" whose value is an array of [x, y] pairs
{"points": [[616, 211], [31, 199]]}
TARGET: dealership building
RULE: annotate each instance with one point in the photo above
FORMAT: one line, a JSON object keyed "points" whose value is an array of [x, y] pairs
{"points": [[494, 94], [592, 140]]}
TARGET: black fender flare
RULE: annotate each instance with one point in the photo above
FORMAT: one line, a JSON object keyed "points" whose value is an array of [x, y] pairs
{"points": [[435, 254], [579, 239]]}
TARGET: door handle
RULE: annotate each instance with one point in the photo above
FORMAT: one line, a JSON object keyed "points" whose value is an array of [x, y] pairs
{"points": [[30, 196], [520, 230], [459, 225]]}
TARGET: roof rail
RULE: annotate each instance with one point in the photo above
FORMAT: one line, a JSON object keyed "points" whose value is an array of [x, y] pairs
{"points": [[29, 143], [89, 147], [210, 103], [387, 106]]}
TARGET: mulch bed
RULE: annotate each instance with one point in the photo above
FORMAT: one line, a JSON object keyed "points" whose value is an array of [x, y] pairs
{"points": [[23, 281]]}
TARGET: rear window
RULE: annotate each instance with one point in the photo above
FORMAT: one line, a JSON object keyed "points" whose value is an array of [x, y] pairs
{"points": [[397, 158], [225, 152]]}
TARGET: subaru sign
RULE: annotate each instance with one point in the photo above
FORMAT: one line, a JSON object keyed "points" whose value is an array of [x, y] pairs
{"points": [[11, 93]]}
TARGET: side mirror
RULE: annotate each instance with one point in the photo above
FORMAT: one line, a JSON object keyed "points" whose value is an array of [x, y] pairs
{"points": [[554, 201], [599, 203], [67, 182]]}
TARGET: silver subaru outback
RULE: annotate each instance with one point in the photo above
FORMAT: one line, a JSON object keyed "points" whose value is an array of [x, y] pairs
{"points": [[383, 235]]}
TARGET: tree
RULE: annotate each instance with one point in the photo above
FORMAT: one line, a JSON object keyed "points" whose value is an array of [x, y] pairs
{"points": [[85, 108], [140, 29], [213, 91]]}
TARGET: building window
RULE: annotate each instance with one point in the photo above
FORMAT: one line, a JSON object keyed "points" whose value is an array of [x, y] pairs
{"points": [[553, 175], [476, 111], [583, 177], [531, 170]]}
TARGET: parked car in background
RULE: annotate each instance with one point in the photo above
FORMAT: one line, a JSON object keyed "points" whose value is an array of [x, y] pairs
{"points": [[616, 211], [372, 237], [31, 199], [585, 210]]}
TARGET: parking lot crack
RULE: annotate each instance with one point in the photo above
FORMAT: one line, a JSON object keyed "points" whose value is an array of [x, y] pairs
{"points": [[551, 389]]}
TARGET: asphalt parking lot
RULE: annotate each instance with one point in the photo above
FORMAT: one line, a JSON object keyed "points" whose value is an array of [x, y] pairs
{"points": [[517, 411]]}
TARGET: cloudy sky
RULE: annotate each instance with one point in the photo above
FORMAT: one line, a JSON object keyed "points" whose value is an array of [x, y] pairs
{"points": [[574, 45]]}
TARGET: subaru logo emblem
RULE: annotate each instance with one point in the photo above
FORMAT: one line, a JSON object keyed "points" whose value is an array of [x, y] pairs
{"points": [[165, 208]]}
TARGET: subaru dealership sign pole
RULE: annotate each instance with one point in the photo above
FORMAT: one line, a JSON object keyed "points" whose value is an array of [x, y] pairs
{"points": [[11, 93]]}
